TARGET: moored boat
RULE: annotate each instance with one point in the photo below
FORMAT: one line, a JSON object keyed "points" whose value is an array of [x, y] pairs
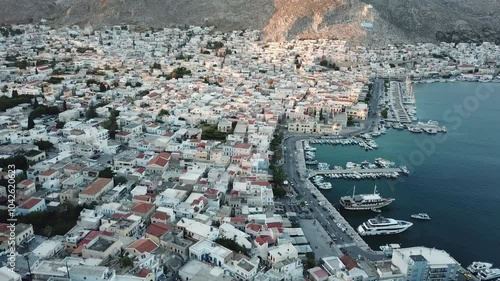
{"points": [[383, 226], [365, 201], [477, 266]]}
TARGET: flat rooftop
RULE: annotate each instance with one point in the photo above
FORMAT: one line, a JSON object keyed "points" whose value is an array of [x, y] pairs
{"points": [[101, 245]]}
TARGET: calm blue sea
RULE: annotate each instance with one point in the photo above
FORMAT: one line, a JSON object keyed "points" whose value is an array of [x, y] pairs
{"points": [[455, 178]]}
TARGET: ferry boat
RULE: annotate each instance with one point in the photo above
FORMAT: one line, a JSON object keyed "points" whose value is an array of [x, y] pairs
{"points": [[365, 201], [477, 266], [383, 226], [421, 216], [489, 274]]}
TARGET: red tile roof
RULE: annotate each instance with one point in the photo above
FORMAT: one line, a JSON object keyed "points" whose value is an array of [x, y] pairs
{"points": [[259, 240], [158, 229], [160, 160], [161, 216], [142, 208], [254, 227], [143, 245], [274, 224], [143, 273], [30, 203], [242, 145], [26, 182], [238, 220], [348, 262], [96, 186], [144, 198], [320, 273], [261, 183], [201, 199], [48, 172], [93, 234]]}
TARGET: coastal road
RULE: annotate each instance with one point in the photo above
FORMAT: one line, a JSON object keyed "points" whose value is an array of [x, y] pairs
{"points": [[291, 167], [343, 240]]}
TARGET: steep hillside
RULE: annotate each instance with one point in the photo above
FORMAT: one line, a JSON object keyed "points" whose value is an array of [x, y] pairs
{"points": [[387, 21]]}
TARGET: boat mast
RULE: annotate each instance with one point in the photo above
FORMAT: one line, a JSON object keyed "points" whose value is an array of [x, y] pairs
{"points": [[354, 191], [375, 190]]}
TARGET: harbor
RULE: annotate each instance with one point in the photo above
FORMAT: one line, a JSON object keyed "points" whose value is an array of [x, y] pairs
{"points": [[428, 184], [335, 218]]}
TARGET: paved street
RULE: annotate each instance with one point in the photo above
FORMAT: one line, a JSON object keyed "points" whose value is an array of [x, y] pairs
{"points": [[302, 186], [321, 243]]}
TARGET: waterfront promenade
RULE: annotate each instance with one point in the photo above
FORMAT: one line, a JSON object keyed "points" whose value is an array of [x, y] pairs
{"points": [[328, 207]]}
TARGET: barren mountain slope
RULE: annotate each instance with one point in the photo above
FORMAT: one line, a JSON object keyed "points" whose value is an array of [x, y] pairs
{"points": [[388, 21]]}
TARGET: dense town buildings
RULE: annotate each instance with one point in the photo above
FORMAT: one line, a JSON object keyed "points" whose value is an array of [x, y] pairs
{"points": [[184, 119]]}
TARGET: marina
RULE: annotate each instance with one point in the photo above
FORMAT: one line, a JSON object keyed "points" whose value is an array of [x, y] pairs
{"points": [[426, 184]]}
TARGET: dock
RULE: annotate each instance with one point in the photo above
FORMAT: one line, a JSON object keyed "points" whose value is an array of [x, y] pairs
{"points": [[313, 173]]}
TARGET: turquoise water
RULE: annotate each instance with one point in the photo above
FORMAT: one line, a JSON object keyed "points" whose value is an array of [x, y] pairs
{"points": [[455, 177]]}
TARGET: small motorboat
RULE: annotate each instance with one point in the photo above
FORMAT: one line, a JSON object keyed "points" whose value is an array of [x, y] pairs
{"points": [[421, 216]]}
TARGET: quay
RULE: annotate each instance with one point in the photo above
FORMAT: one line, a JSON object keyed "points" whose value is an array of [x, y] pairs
{"points": [[333, 213], [398, 100], [312, 173]]}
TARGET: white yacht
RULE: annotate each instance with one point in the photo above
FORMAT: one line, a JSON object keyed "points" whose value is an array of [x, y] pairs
{"points": [[388, 249], [383, 226], [421, 216], [477, 266], [489, 274], [364, 201]]}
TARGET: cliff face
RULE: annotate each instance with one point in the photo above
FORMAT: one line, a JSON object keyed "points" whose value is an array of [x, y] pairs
{"points": [[368, 21]]}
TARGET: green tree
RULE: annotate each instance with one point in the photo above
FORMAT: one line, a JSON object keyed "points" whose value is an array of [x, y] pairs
{"points": [[310, 260], [15, 94], [279, 192], [118, 180], [35, 102], [60, 124], [232, 245], [47, 231], [102, 87], [384, 113], [44, 145], [91, 112], [125, 262], [31, 123], [350, 121], [106, 173]]}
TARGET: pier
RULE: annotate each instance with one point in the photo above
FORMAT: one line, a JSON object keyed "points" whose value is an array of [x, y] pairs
{"points": [[396, 98], [313, 173]]}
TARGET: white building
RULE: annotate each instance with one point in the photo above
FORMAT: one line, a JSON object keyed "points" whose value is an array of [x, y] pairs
{"points": [[421, 263], [210, 252]]}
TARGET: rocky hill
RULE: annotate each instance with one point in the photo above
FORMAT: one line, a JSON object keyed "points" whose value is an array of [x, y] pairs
{"points": [[367, 21]]}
